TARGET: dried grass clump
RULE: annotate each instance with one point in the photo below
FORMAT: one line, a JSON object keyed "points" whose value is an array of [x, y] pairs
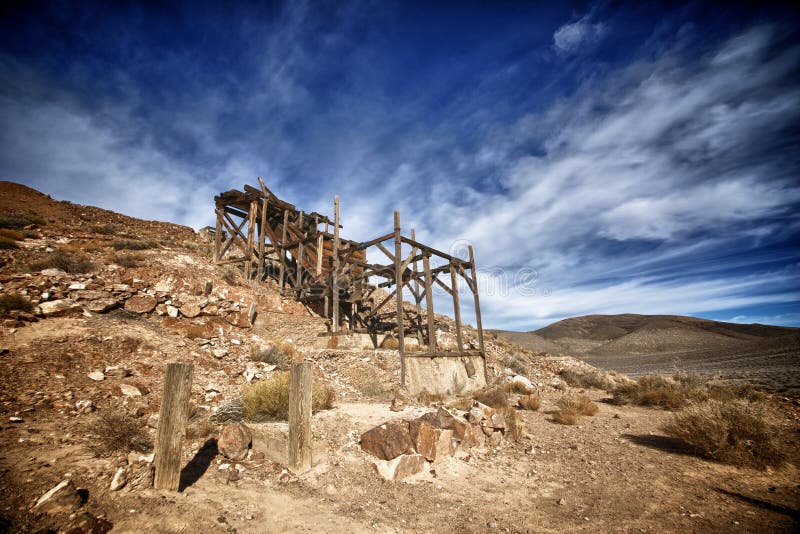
{"points": [[279, 354], [530, 402], [12, 234], [571, 407], [729, 392], [586, 378], [427, 398], [71, 263], [735, 432], [390, 343], [519, 387], [496, 397], [519, 363], [230, 276], [7, 243], [133, 244], [655, 390], [14, 301], [118, 432], [269, 398], [127, 260], [104, 229]]}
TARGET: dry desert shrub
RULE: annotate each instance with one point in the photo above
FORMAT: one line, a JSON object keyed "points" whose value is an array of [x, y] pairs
{"points": [[7, 243], [71, 263], [586, 378], [133, 244], [11, 234], [530, 402], [230, 276], [390, 343], [280, 354], [104, 229], [19, 220], [519, 387], [571, 407], [655, 390], [428, 398], [269, 398], [118, 432], [735, 432], [729, 392], [14, 301], [127, 260], [496, 397], [519, 363]]}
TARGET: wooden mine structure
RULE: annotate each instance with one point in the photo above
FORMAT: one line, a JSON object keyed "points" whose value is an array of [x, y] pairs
{"points": [[332, 276]]}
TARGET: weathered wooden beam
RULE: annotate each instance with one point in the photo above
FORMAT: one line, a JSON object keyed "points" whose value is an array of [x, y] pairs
{"points": [[300, 417], [426, 266], [375, 241], [478, 323], [398, 250], [172, 418], [262, 230], [432, 250], [282, 251], [456, 306], [335, 264], [218, 236]]}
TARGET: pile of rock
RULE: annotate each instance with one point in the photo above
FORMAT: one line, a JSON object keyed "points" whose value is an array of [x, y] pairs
{"points": [[407, 447]]}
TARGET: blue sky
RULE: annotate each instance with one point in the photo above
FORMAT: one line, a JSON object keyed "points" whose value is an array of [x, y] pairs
{"points": [[601, 157]]}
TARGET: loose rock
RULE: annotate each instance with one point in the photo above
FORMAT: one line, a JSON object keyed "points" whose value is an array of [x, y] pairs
{"points": [[234, 441]]}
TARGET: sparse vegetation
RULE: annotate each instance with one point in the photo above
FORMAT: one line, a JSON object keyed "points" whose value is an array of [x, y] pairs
{"points": [[517, 362], [14, 301], [496, 397], [133, 244], [655, 390], [127, 260], [427, 398], [586, 378], [11, 234], [390, 343], [736, 432], [19, 220], [105, 229], [571, 407], [119, 433], [530, 402], [230, 276], [71, 263], [518, 387], [280, 354], [269, 398], [7, 243]]}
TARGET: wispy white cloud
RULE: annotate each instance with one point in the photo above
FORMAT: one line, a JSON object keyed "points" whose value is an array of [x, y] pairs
{"points": [[570, 38]]}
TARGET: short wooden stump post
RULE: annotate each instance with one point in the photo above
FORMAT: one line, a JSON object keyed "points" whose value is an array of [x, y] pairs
{"points": [[300, 418], [172, 419]]}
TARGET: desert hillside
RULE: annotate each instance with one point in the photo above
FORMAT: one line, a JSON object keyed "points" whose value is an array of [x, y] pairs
{"points": [[639, 344], [93, 304]]}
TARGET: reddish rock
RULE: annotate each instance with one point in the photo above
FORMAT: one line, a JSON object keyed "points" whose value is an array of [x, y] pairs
{"points": [[401, 467], [423, 436], [240, 318], [473, 437], [63, 498], [444, 445], [101, 305], [190, 310], [141, 304], [234, 441], [387, 441], [443, 419]]}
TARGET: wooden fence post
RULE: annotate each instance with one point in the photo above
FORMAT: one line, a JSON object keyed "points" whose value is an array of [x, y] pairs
{"points": [[300, 418], [172, 419]]}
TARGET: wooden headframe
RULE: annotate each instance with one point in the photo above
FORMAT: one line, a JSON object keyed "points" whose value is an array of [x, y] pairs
{"points": [[332, 275]]}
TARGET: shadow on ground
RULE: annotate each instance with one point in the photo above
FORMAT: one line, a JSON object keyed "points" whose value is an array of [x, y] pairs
{"points": [[198, 465], [661, 443]]}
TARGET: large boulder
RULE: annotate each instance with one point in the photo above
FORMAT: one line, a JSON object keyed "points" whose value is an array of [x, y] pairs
{"points": [[234, 441], [387, 441], [190, 309], [444, 445], [63, 498], [444, 420], [141, 303], [101, 305]]}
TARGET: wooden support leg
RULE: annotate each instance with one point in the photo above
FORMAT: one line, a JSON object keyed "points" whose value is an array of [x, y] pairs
{"points": [[300, 418], [478, 322], [218, 236], [398, 275], [262, 229], [335, 277], [172, 418], [282, 251], [456, 306], [426, 265]]}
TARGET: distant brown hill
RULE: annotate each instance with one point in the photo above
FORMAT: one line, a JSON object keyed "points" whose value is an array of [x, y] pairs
{"points": [[640, 344]]}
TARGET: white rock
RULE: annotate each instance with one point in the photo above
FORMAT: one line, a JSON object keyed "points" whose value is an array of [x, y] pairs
{"points": [[77, 285], [119, 480], [519, 379], [97, 376], [15, 419], [219, 353], [52, 272], [129, 390], [172, 311]]}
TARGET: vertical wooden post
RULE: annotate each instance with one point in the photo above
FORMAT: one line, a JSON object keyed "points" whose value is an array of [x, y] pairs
{"points": [[426, 265], [299, 279], [251, 230], [262, 229], [456, 306], [335, 275], [218, 235], [282, 252], [320, 253], [300, 418], [478, 322], [172, 418], [418, 326], [398, 277]]}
